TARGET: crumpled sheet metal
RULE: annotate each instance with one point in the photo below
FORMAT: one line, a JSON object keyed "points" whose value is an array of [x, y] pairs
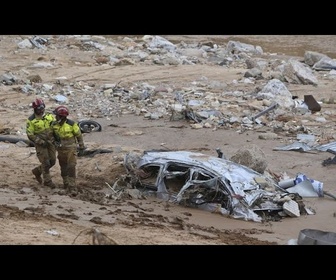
{"points": [[316, 237], [304, 147], [235, 181]]}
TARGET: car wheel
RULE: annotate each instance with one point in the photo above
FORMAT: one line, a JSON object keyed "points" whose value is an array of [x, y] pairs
{"points": [[89, 126]]}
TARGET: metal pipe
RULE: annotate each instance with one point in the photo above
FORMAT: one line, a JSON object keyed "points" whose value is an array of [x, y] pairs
{"points": [[273, 106]]}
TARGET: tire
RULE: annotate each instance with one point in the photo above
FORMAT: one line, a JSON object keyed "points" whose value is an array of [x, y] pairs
{"points": [[15, 140], [89, 126]]}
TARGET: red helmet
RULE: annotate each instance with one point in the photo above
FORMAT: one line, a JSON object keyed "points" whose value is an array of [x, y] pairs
{"points": [[38, 104], [61, 111]]}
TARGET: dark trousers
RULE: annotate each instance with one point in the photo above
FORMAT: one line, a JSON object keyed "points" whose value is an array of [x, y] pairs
{"points": [[67, 159], [47, 158]]}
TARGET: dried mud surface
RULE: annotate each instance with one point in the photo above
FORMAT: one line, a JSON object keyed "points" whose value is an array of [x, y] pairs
{"points": [[33, 215]]}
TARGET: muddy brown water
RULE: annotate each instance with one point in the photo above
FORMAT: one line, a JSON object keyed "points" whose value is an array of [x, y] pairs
{"points": [[295, 45], [292, 45]]}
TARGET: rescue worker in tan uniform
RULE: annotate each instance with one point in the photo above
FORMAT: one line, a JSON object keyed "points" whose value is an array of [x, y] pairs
{"points": [[39, 131], [68, 136]]}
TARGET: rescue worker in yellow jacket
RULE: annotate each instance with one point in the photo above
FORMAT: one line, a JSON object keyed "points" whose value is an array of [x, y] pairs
{"points": [[39, 131], [69, 142]]}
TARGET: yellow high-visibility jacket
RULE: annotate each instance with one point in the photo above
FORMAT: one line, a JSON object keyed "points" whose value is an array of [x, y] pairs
{"points": [[68, 134], [40, 127]]}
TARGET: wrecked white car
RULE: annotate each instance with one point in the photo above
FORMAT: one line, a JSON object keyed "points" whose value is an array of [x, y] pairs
{"points": [[211, 183]]}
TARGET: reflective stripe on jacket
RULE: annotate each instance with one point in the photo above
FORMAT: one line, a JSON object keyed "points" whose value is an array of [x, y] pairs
{"points": [[40, 127], [68, 134]]}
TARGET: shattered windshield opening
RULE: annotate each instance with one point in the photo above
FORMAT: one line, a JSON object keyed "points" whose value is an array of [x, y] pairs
{"points": [[175, 177], [187, 185], [149, 176]]}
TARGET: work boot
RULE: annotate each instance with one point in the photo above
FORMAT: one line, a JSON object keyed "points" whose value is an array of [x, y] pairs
{"points": [[66, 182], [62, 192], [50, 184], [72, 186], [73, 191], [37, 174]]}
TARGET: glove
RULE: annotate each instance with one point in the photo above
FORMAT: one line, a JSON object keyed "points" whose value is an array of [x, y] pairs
{"points": [[57, 144], [81, 151], [40, 142]]}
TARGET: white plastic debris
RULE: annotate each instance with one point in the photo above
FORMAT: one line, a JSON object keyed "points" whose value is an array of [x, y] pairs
{"points": [[61, 98], [291, 208], [292, 242], [52, 232]]}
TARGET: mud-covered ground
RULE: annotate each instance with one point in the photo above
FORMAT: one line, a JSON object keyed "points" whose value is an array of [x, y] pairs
{"points": [[34, 215]]}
